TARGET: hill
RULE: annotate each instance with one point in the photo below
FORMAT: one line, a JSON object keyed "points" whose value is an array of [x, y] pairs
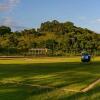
{"points": [[62, 38]]}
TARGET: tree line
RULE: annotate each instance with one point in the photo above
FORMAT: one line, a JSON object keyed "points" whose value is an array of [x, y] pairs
{"points": [[62, 38]]}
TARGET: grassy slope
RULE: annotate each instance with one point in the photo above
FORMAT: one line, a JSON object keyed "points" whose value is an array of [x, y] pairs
{"points": [[59, 73]]}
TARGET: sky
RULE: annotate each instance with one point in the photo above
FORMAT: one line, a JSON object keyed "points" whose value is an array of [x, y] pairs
{"points": [[20, 14]]}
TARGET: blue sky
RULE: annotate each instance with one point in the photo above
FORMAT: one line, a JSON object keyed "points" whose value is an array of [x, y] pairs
{"points": [[31, 13]]}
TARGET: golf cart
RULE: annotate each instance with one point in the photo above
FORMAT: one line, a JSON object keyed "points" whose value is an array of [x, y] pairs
{"points": [[85, 57]]}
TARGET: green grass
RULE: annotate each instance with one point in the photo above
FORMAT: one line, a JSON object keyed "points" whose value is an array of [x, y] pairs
{"points": [[48, 79]]}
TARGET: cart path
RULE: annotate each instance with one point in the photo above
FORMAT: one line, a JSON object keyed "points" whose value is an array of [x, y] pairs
{"points": [[91, 86]]}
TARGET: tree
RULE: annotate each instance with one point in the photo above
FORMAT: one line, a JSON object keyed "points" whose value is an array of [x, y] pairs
{"points": [[60, 37], [5, 30]]}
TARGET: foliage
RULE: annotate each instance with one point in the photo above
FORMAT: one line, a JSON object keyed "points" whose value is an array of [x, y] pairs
{"points": [[61, 37]]}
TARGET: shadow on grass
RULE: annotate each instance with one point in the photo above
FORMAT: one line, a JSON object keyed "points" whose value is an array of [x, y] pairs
{"points": [[57, 75], [13, 93]]}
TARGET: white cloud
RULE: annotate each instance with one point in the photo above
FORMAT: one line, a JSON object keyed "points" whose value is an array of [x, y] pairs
{"points": [[82, 18], [96, 21], [8, 21], [13, 2], [4, 7], [8, 5]]}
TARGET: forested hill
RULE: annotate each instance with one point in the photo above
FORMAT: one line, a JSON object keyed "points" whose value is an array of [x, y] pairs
{"points": [[62, 38]]}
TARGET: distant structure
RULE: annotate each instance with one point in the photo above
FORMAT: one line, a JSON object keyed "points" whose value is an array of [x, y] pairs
{"points": [[39, 51]]}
